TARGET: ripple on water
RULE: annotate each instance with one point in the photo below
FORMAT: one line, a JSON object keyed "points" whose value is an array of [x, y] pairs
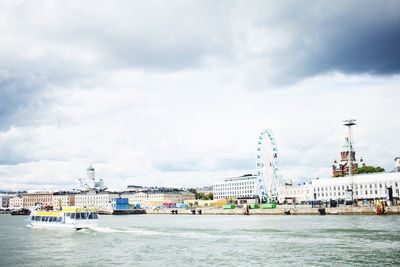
{"points": [[207, 240]]}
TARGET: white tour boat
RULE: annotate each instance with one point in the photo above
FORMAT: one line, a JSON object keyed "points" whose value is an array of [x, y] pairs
{"points": [[68, 217]]}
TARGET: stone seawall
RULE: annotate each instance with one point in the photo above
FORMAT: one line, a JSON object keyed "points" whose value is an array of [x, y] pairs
{"points": [[349, 210]]}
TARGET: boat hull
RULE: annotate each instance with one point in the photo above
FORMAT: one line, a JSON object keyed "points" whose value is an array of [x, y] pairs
{"points": [[77, 226]]}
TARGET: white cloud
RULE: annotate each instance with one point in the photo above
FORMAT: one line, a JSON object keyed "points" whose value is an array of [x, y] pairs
{"points": [[159, 96]]}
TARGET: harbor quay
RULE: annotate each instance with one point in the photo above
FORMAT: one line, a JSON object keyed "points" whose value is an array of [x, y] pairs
{"points": [[279, 210]]}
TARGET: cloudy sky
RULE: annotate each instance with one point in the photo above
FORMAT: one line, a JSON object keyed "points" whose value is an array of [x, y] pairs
{"points": [[175, 93]]}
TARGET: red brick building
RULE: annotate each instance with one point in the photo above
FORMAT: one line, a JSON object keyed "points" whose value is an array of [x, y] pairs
{"points": [[341, 168]]}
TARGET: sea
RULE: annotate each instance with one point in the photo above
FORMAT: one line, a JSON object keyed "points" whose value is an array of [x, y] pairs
{"points": [[201, 240]]}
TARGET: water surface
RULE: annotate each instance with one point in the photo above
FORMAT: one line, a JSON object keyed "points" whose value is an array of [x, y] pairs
{"points": [[200, 240]]}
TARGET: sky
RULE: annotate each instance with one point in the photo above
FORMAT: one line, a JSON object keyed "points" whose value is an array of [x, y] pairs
{"points": [[175, 93]]}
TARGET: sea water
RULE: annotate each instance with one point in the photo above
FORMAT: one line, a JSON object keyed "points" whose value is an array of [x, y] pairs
{"points": [[200, 240]]}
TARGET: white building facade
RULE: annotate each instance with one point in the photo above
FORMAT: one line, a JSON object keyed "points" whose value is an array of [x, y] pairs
{"points": [[295, 194], [16, 202], [364, 186], [236, 187], [361, 187], [101, 200]]}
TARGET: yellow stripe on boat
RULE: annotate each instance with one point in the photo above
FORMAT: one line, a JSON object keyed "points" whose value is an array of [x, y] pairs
{"points": [[75, 209], [48, 213]]}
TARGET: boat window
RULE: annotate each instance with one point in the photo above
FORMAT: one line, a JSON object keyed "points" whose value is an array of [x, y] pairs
{"points": [[95, 216], [59, 219], [78, 216], [43, 219], [50, 219], [38, 218], [67, 214], [53, 219], [72, 215], [83, 216], [32, 218]]}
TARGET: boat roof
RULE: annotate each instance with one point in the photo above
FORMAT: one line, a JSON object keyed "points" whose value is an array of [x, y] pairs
{"points": [[77, 209]]}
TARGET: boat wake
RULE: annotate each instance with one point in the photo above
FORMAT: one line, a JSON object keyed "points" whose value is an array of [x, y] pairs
{"points": [[137, 231], [153, 232]]}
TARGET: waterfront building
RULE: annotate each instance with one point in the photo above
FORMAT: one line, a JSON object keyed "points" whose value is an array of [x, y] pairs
{"points": [[5, 200], [295, 194], [16, 202], [187, 195], [360, 188], [157, 198], [363, 187], [236, 187], [136, 198], [30, 200], [93, 199], [90, 183], [61, 199]]}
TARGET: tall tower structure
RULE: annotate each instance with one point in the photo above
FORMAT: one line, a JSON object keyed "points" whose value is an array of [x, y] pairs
{"points": [[350, 154], [348, 163]]}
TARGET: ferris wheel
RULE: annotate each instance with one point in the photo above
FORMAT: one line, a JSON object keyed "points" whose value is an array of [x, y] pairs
{"points": [[266, 167]]}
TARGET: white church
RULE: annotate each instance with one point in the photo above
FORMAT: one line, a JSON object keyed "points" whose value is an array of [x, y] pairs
{"points": [[90, 184]]}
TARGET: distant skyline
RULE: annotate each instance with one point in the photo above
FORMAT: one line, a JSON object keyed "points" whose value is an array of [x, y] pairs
{"points": [[175, 93]]}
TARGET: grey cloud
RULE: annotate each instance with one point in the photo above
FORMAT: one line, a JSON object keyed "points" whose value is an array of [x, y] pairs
{"points": [[46, 45], [357, 37]]}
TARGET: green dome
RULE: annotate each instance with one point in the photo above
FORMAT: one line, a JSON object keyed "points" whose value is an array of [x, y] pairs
{"points": [[90, 168]]}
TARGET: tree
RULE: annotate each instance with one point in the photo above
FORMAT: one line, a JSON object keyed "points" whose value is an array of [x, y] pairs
{"points": [[194, 191], [369, 169]]}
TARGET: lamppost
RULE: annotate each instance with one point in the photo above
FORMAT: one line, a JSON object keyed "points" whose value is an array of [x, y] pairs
{"points": [[350, 123]]}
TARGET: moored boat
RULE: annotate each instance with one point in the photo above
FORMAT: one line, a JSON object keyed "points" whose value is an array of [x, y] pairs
{"points": [[68, 217]]}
